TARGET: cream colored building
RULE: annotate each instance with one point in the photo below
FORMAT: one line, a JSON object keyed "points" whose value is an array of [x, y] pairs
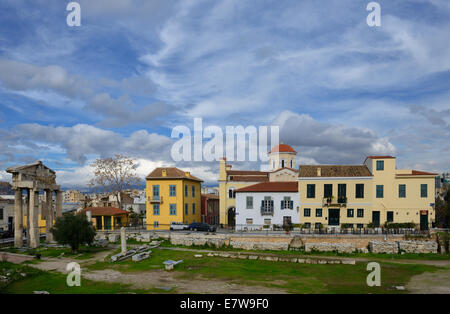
{"points": [[375, 192]]}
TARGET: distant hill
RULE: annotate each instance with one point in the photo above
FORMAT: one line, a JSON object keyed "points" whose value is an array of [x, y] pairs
{"points": [[6, 188]]}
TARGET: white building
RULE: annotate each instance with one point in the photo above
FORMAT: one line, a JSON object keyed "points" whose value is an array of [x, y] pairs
{"points": [[266, 204]]}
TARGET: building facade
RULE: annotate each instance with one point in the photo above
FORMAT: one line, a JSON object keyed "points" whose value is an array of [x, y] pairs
{"points": [[210, 209], [173, 195], [365, 195], [263, 205], [282, 163]]}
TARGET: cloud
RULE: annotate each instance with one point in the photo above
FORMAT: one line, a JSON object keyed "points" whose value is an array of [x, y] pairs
{"points": [[330, 143]]}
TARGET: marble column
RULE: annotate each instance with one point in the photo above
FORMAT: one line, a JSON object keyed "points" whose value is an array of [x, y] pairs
{"points": [[33, 218], [59, 198], [48, 215], [27, 212], [18, 218], [123, 240]]}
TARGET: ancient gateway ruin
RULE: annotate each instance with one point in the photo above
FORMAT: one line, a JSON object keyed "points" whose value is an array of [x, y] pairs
{"points": [[33, 179]]}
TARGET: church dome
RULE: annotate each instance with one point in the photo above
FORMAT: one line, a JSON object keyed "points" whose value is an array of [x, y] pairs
{"points": [[282, 148]]}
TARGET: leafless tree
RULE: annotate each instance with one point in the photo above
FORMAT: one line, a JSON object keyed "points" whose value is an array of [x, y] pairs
{"points": [[114, 174]]}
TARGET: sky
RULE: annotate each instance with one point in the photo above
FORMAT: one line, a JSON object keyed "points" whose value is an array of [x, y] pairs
{"points": [[338, 89]]}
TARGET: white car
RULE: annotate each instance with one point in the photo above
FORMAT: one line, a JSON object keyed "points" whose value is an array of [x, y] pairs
{"points": [[178, 226]]}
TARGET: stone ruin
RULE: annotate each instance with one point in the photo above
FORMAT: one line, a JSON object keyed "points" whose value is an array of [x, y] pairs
{"points": [[34, 178]]}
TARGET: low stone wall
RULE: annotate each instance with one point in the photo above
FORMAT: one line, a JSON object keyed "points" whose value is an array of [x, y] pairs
{"points": [[383, 247], [330, 247], [418, 246], [403, 246]]}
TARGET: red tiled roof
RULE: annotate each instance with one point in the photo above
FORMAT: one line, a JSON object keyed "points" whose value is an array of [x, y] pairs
{"points": [[271, 187], [282, 148], [249, 178], [105, 211], [172, 173], [211, 196], [292, 169], [334, 171], [245, 172], [418, 173]]}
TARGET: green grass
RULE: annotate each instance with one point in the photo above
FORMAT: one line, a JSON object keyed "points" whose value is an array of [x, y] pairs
{"points": [[381, 256], [293, 277], [84, 252], [55, 283]]}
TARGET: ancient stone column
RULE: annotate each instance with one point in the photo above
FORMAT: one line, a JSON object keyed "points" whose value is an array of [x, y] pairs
{"points": [[123, 240], [48, 216], [33, 218], [27, 211], [18, 219], [59, 198]]}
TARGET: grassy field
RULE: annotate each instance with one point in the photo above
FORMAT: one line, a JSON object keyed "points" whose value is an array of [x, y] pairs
{"points": [[294, 277]]}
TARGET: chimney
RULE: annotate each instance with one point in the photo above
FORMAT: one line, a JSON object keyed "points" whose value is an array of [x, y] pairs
{"points": [[188, 174], [319, 172], [164, 173]]}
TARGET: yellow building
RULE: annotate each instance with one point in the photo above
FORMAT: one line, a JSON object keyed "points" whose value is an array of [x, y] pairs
{"points": [[281, 169], [108, 218], [373, 193], [173, 195]]}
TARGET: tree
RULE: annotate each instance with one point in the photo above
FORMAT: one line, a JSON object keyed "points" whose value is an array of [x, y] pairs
{"points": [[114, 174], [74, 230], [441, 209]]}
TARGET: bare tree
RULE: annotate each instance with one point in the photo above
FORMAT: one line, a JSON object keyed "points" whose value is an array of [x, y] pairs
{"points": [[114, 174]]}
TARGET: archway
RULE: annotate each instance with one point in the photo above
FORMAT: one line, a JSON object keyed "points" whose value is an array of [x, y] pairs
{"points": [[231, 217]]}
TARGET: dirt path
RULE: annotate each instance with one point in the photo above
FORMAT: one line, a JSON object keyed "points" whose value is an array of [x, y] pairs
{"points": [[430, 283]]}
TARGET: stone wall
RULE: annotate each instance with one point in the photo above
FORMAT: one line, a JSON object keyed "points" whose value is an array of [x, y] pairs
{"points": [[383, 247], [330, 247], [418, 246]]}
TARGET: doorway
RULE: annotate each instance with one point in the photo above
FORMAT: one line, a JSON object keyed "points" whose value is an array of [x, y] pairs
{"points": [[231, 217], [424, 221], [376, 219], [333, 217]]}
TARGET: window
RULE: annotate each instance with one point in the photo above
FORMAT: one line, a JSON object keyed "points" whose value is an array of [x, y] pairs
{"points": [[268, 221], [155, 224], [173, 209], [156, 192], [360, 212], [282, 163], [193, 191], [307, 212], [193, 208], [342, 190], [307, 225], [350, 212], [231, 193], [186, 209], [286, 203], [327, 190], [292, 164], [311, 191], [267, 204], [390, 216], [402, 190], [380, 164], [317, 225], [318, 212], [185, 190], [359, 190], [249, 221], [380, 189], [172, 190], [156, 209], [249, 202], [359, 226], [1, 213], [423, 190]]}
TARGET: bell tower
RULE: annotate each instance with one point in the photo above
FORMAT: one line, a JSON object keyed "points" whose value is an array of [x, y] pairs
{"points": [[282, 156]]}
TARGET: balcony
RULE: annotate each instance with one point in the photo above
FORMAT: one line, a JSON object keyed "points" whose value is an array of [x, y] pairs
{"points": [[331, 201], [155, 199], [267, 211]]}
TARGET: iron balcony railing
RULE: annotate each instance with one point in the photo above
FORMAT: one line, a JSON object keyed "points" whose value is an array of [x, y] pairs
{"points": [[155, 199], [330, 201], [266, 210]]}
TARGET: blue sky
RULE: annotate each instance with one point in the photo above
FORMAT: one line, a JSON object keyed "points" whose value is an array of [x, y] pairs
{"points": [[339, 89]]}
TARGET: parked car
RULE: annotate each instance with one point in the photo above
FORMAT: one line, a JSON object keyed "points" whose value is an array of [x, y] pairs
{"points": [[6, 234], [201, 226], [178, 226]]}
